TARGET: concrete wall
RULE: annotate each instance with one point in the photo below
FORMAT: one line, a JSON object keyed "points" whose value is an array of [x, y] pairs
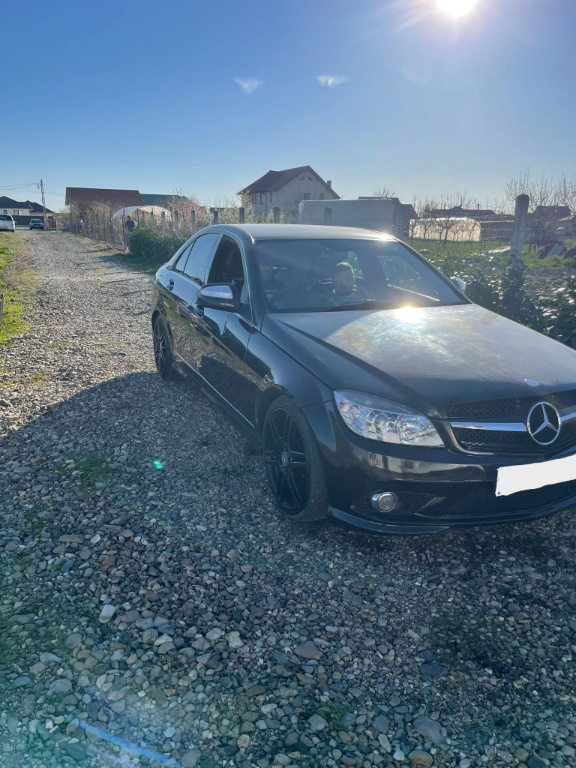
{"points": [[377, 214]]}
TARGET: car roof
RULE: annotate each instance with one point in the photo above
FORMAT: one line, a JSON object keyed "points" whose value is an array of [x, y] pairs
{"points": [[298, 232]]}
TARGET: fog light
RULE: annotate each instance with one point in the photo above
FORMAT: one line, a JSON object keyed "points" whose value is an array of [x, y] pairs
{"points": [[384, 502]]}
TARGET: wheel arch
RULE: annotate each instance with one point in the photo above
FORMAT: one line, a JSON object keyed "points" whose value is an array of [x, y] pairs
{"points": [[156, 313]]}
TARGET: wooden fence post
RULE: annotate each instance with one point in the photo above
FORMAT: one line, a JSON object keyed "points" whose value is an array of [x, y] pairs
{"points": [[193, 222], [163, 223], [241, 215]]}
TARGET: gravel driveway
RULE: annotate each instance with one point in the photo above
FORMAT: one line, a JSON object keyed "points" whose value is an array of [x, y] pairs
{"points": [[156, 611]]}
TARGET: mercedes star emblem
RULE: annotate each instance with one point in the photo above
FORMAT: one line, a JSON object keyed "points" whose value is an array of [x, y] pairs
{"points": [[543, 423]]}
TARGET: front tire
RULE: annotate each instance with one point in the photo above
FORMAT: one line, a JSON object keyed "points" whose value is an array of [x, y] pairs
{"points": [[163, 357], [293, 464]]}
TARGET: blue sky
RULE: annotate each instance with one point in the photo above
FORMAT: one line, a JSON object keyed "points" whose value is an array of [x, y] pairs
{"points": [[204, 97]]}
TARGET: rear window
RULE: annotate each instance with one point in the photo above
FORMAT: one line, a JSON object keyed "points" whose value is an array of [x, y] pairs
{"points": [[4, 217]]}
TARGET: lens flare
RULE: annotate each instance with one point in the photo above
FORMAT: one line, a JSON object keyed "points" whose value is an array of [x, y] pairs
{"points": [[456, 8]]}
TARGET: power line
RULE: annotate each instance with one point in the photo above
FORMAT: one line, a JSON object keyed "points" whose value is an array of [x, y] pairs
{"points": [[19, 186]]}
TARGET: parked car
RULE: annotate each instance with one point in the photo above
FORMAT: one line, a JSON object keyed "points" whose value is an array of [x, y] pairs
{"points": [[36, 223], [7, 222], [396, 405]]}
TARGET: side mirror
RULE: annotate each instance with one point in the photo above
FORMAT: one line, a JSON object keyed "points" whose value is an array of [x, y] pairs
{"points": [[459, 283], [219, 297]]}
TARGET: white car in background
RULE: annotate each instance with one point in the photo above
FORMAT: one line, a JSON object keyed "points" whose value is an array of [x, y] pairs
{"points": [[7, 222]]}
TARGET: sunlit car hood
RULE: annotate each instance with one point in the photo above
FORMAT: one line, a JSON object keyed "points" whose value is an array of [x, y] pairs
{"points": [[441, 355]]}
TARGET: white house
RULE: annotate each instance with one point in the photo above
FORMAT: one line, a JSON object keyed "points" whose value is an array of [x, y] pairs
{"points": [[22, 211], [286, 189]]}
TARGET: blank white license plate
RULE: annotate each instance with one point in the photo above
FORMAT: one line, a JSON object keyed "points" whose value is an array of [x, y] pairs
{"points": [[527, 477]]}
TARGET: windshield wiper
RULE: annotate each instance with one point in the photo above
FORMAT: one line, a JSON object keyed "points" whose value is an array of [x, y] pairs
{"points": [[360, 304]]}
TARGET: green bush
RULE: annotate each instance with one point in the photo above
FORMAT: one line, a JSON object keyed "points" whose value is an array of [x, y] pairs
{"points": [[558, 312], [498, 283], [149, 247]]}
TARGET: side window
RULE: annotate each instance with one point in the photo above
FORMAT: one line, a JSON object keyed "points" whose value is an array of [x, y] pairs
{"points": [[179, 266], [200, 257], [227, 265]]}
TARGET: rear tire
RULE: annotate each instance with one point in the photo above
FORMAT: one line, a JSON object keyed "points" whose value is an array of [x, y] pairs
{"points": [[293, 464], [163, 357]]}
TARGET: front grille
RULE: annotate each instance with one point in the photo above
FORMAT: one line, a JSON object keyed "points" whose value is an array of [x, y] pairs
{"points": [[481, 504], [500, 409], [519, 443], [513, 411]]}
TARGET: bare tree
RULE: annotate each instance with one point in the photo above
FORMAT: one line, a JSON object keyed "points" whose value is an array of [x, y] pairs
{"points": [[546, 196], [451, 226], [185, 204], [384, 192]]}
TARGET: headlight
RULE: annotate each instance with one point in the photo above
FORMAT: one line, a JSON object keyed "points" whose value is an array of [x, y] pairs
{"points": [[387, 422]]}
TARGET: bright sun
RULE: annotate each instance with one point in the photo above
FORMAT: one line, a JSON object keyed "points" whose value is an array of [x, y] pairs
{"points": [[456, 8]]}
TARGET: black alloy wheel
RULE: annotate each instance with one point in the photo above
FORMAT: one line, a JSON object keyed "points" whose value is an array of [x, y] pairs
{"points": [[163, 351], [293, 463]]}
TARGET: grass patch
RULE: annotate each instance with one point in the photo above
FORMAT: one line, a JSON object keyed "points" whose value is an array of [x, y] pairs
{"points": [[147, 265], [39, 378], [141, 265], [91, 469], [17, 285]]}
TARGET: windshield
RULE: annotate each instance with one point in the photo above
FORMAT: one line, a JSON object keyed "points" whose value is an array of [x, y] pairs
{"points": [[327, 275]]}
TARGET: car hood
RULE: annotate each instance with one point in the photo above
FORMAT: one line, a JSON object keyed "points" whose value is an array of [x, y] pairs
{"points": [[429, 357]]}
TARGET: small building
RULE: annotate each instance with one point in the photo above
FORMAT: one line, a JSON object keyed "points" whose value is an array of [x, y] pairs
{"points": [[86, 198], [13, 207], [386, 214], [457, 211], [463, 229], [285, 190], [547, 222]]}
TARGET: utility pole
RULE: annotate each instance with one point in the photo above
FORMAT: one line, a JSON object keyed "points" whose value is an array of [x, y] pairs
{"points": [[43, 203]]}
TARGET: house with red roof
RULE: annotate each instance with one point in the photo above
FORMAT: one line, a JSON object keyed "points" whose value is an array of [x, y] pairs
{"points": [[85, 198]]}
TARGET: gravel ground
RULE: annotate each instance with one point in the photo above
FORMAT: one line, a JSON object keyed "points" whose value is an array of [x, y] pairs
{"points": [[156, 611]]}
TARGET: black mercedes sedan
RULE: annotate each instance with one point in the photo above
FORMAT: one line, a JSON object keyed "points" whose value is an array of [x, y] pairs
{"points": [[378, 393]]}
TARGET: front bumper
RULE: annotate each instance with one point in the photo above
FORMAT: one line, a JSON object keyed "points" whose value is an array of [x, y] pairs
{"points": [[472, 508], [436, 488]]}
